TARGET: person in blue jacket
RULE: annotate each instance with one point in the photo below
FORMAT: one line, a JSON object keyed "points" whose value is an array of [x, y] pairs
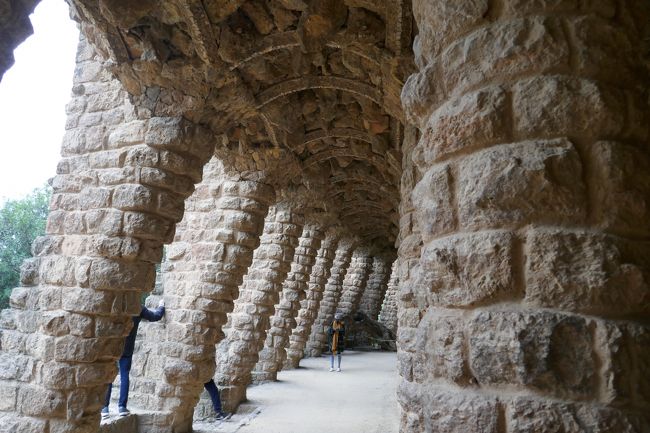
{"points": [[124, 363]]}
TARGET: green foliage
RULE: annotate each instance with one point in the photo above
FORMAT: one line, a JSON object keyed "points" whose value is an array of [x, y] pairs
{"points": [[21, 221]]}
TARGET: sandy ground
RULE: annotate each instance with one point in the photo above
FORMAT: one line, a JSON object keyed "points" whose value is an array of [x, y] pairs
{"points": [[359, 399]]}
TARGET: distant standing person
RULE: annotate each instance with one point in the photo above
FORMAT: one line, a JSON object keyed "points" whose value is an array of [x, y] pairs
{"points": [[125, 360], [336, 340]]}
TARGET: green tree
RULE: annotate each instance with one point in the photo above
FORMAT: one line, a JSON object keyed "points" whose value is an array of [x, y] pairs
{"points": [[21, 221]]}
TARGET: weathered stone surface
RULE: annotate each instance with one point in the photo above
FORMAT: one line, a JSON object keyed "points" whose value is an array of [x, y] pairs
{"points": [[539, 181], [468, 269], [545, 351], [586, 272]]}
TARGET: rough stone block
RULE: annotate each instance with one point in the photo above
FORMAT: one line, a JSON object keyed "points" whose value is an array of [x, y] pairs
{"points": [[434, 213], [535, 181], [623, 187], [565, 106], [446, 412], [585, 272], [468, 269], [503, 49], [473, 120], [542, 350]]}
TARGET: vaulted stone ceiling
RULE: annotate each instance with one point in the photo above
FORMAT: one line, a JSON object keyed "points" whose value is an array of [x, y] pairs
{"points": [[315, 82]]}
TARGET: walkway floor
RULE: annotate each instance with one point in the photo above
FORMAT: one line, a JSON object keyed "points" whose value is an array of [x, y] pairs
{"points": [[360, 399]]}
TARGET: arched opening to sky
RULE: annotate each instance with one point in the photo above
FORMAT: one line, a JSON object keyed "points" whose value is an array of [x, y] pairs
{"points": [[33, 94]]}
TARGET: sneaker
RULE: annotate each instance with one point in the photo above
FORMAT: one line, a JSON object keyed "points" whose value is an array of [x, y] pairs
{"points": [[338, 369], [123, 412], [105, 413], [222, 416], [331, 369]]}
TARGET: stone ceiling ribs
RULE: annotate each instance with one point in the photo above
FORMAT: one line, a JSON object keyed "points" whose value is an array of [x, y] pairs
{"points": [[319, 80]]}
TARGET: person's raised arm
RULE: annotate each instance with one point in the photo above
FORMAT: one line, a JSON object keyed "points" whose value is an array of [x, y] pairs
{"points": [[154, 315]]}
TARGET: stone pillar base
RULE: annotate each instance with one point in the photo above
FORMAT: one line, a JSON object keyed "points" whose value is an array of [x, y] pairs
{"points": [[260, 377], [232, 396]]}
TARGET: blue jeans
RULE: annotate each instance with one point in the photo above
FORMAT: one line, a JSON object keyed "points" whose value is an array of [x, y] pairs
{"points": [[124, 365], [211, 387], [332, 360]]}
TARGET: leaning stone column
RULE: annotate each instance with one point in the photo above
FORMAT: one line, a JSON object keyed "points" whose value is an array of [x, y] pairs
{"points": [[355, 282], [376, 287], [532, 286], [331, 297], [320, 273], [272, 356], [205, 265], [238, 354], [118, 194], [388, 315]]}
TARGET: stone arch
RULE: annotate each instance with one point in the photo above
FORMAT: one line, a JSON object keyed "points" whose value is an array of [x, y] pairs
{"points": [[117, 197]]}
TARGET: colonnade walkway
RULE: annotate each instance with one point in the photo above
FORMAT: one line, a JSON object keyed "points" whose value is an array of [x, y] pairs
{"points": [[311, 399]]}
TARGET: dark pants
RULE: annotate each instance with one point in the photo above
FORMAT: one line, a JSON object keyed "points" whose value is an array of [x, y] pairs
{"points": [[125, 367], [211, 387]]}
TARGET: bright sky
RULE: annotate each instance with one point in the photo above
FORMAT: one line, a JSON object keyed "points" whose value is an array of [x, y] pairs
{"points": [[33, 95]]}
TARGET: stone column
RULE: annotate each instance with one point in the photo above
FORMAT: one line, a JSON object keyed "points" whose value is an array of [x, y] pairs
{"points": [[355, 282], [118, 194], [272, 356], [376, 287], [238, 354], [331, 297], [205, 265], [531, 292], [320, 273], [388, 315]]}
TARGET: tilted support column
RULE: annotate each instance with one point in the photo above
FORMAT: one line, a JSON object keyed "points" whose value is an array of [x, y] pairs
{"points": [[283, 322], [388, 315], [355, 283], [331, 297], [205, 265], [531, 292], [238, 354], [118, 194], [376, 287], [320, 273]]}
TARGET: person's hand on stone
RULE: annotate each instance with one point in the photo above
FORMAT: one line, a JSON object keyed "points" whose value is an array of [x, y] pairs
{"points": [[161, 303]]}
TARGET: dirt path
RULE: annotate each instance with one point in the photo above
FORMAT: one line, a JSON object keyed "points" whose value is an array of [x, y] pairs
{"points": [[360, 399]]}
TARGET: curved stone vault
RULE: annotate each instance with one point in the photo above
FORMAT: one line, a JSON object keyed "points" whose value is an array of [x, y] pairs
{"points": [[286, 152]]}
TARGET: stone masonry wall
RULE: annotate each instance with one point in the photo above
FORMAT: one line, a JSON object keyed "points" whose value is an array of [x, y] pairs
{"points": [[524, 310], [205, 265], [310, 306], [118, 193], [373, 296], [273, 355], [239, 352], [331, 296], [388, 315], [15, 27], [355, 282]]}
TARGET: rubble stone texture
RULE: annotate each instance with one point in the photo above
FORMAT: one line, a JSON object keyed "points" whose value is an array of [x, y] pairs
{"points": [[273, 355], [388, 314], [15, 27], [331, 296], [355, 282], [258, 295], [500, 146], [310, 306], [523, 311], [119, 192], [373, 296], [212, 251]]}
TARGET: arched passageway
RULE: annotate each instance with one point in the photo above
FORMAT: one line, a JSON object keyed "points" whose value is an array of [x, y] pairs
{"points": [[499, 149]]}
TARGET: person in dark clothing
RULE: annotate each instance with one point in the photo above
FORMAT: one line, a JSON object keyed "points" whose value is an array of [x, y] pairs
{"points": [[124, 362], [211, 387], [336, 333]]}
